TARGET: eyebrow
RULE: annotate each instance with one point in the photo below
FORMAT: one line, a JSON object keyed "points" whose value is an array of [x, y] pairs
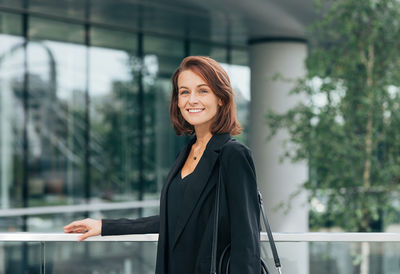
{"points": [[197, 86]]}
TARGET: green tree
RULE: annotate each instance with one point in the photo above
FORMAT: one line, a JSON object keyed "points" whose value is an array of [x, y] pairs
{"points": [[348, 125]]}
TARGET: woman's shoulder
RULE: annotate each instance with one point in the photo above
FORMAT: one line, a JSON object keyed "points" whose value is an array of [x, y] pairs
{"points": [[234, 148]]}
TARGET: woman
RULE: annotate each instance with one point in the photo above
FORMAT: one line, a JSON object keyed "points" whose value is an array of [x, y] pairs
{"points": [[202, 104]]}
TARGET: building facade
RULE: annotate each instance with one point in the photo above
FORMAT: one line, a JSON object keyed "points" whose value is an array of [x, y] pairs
{"points": [[84, 95]]}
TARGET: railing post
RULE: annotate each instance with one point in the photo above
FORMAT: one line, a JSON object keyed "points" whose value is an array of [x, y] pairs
{"points": [[43, 258]]}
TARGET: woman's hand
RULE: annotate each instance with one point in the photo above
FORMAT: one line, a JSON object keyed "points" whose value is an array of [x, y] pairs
{"points": [[89, 227]]}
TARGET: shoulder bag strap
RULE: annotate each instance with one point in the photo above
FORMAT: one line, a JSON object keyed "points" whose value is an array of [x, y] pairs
{"points": [[215, 229]]}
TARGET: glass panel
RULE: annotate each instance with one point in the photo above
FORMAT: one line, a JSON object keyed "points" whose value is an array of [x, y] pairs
{"points": [[199, 25], [11, 224], [219, 28], [10, 24], [68, 8], [240, 57], [162, 57], [11, 3], [208, 25], [240, 81], [11, 111], [218, 53], [56, 127], [17, 257], [164, 19], [101, 257], [140, 257], [114, 113], [335, 257], [113, 39], [47, 29], [123, 13]]}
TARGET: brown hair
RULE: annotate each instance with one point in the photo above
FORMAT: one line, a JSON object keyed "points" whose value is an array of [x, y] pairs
{"points": [[218, 80]]}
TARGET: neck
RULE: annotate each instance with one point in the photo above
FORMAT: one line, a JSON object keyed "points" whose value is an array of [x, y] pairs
{"points": [[202, 136]]}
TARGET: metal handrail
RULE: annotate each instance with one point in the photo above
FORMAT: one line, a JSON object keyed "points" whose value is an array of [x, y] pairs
{"points": [[12, 212], [279, 237]]}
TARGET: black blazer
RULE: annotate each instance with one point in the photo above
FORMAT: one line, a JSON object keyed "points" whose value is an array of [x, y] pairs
{"points": [[239, 222]]}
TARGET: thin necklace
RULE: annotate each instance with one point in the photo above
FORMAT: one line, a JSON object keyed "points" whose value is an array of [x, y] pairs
{"points": [[194, 156]]}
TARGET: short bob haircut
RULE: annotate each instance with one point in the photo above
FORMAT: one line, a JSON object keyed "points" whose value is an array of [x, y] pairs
{"points": [[217, 79]]}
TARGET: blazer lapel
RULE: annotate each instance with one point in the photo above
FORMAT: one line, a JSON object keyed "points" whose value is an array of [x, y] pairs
{"points": [[203, 172]]}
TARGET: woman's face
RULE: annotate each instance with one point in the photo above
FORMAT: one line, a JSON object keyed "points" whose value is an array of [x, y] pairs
{"points": [[196, 101]]}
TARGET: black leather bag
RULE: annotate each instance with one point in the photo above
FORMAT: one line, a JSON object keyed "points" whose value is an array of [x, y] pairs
{"points": [[224, 260]]}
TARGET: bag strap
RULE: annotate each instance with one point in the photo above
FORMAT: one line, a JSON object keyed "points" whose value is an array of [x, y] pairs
{"points": [[269, 233], [215, 229]]}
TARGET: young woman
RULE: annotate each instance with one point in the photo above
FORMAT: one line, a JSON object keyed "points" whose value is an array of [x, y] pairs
{"points": [[201, 105]]}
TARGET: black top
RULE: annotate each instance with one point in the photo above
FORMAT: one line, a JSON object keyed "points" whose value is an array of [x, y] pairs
{"points": [[175, 195]]}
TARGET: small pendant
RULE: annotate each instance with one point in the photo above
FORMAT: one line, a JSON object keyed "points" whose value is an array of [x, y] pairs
{"points": [[194, 158]]}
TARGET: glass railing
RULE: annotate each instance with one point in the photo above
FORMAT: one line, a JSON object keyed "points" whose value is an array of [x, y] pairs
{"points": [[301, 253]]}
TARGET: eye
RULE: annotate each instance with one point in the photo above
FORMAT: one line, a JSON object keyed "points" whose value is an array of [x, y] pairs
{"points": [[203, 91], [182, 92]]}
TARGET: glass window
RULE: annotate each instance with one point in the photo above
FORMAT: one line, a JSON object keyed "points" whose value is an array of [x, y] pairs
{"points": [[162, 57], [11, 111], [68, 8], [218, 53], [164, 18], [167, 52], [113, 39], [240, 57], [56, 125], [121, 13], [46, 29], [10, 24], [11, 3], [240, 81], [114, 122]]}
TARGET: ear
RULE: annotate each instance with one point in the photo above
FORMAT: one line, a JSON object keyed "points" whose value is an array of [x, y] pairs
{"points": [[220, 102]]}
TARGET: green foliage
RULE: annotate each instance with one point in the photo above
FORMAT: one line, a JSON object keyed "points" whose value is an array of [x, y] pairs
{"points": [[348, 126]]}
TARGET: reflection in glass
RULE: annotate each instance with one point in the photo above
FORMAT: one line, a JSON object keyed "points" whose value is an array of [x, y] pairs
{"points": [[132, 144], [11, 116], [218, 53], [56, 123], [114, 124], [240, 81], [162, 57], [120, 13], [15, 261], [70, 8], [46, 29]]}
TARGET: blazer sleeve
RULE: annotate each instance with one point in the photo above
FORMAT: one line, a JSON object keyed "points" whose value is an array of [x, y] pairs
{"points": [[239, 177], [130, 226]]}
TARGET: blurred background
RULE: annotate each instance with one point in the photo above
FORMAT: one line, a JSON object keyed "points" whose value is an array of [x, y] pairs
{"points": [[85, 131]]}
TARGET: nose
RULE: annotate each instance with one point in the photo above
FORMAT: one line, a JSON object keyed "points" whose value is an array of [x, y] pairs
{"points": [[193, 98]]}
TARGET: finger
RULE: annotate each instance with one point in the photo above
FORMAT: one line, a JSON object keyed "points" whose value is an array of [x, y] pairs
{"points": [[86, 235], [75, 228], [73, 224]]}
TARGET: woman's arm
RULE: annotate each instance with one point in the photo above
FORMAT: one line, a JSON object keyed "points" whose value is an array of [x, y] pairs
{"points": [[239, 177], [130, 226], [91, 227]]}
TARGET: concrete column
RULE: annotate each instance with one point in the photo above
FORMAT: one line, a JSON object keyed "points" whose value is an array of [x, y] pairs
{"points": [[277, 179]]}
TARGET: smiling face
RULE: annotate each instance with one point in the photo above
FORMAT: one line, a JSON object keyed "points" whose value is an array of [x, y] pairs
{"points": [[196, 101]]}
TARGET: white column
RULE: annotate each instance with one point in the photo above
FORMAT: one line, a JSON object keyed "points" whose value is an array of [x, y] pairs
{"points": [[277, 179]]}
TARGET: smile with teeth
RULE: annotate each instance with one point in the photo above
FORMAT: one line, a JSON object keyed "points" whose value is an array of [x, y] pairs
{"points": [[194, 110]]}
